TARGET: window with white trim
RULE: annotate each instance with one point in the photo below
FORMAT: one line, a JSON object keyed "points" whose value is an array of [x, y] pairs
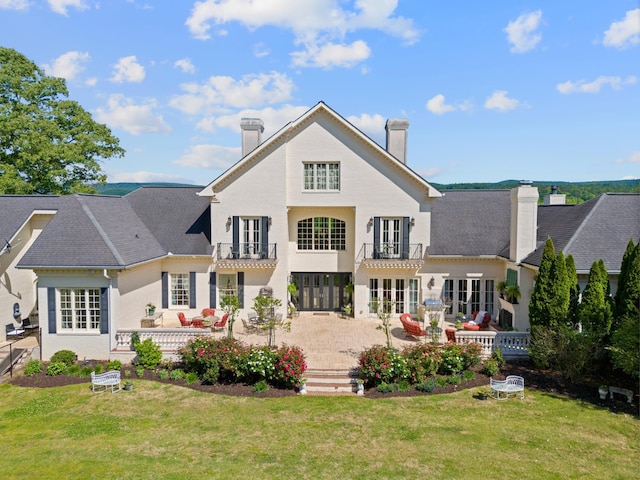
{"points": [[322, 176], [398, 295], [466, 295], [321, 233], [228, 284], [179, 289], [79, 309]]}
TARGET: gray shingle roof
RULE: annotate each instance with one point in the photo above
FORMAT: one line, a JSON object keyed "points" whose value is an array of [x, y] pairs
{"points": [[598, 229], [112, 232], [470, 223]]}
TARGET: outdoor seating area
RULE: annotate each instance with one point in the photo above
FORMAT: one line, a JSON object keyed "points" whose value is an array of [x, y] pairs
{"points": [[102, 382], [480, 321]]}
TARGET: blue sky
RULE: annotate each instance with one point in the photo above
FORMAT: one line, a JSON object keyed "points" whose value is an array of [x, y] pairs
{"points": [[493, 90]]}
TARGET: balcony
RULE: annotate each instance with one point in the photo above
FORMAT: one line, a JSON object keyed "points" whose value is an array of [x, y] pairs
{"points": [[246, 255], [392, 255]]}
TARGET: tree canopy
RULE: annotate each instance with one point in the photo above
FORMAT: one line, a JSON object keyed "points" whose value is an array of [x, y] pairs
{"points": [[48, 144]]}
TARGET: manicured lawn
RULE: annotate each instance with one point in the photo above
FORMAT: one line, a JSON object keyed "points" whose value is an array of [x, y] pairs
{"points": [[165, 431]]}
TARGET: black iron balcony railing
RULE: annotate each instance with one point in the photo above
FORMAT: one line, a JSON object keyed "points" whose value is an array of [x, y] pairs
{"points": [[392, 251], [246, 251]]}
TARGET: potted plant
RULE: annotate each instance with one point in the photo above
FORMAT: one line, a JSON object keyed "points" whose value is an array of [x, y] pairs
{"points": [[458, 325], [603, 390], [360, 383], [150, 309], [302, 386], [128, 385], [513, 293], [482, 393], [501, 287], [347, 309], [348, 290]]}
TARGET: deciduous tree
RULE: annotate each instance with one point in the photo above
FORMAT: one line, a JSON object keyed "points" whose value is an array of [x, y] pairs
{"points": [[48, 144]]}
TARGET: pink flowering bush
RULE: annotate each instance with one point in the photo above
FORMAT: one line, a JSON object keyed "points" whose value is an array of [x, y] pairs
{"points": [[226, 360], [382, 364], [290, 366], [423, 361]]}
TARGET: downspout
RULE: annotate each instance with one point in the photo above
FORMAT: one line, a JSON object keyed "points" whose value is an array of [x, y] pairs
{"points": [[111, 333]]}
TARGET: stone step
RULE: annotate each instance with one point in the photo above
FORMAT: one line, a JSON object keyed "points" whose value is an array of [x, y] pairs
{"points": [[331, 382]]}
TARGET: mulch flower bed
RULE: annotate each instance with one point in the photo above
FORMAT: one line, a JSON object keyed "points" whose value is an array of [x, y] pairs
{"points": [[542, 380]]}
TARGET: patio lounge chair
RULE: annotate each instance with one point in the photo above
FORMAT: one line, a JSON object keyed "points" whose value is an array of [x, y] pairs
{"points": [[13, 331], [411, 328], [219, 325], [248, 326], [183, 320], [28, 326]]}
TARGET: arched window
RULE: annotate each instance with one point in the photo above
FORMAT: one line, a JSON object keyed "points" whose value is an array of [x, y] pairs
{"points": [[321, 233]]}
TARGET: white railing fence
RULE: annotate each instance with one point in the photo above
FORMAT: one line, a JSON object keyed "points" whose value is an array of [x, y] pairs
{"points": [[512, 344], [168, 339]]}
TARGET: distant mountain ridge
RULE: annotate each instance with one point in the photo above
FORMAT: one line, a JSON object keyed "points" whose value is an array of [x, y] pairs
{"points": [[576, 192]]}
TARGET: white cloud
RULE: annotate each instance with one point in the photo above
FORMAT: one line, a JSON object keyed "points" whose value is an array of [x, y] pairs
{"points": [[371, 125], [319, 25], [331, 55], [522, 34], [500, 101], [633, 158], [260, 50], [273, 119], [581, 86], [128, 70], [185, 65], [249, 91], [67, 65], [210, 156], [91, 82], [60, 6], [624, 33], [14, 4], [437, 105], [123, 113]]}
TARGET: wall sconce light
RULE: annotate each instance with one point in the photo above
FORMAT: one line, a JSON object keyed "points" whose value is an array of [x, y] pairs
{"points": [[413, 221], [269, 221], [431, 283], [228, 221], [370, 223]]}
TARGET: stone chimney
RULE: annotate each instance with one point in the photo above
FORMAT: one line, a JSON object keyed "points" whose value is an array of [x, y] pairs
{"points": [[397, 138], [555, 198], [252, 129], [524, 220]]}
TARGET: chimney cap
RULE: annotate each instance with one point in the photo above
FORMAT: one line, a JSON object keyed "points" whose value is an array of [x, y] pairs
{"points": [[397, 124], [526, 183], [251, 124]]}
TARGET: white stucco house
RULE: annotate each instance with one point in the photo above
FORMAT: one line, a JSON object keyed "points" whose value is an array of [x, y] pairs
{"points": [[318, 204]]}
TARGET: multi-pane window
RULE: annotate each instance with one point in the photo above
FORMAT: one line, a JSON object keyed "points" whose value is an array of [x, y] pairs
{"points": [[321, 233], [475, 295], [228, 284], [469, 295], [399, 295], [179, 289], [489, 289], [413, 296], [322, 176], [373, 295], [79, 309]]}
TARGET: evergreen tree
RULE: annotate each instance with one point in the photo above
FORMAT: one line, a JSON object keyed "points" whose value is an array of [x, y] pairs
{"points": [[574, 291], [559, 297], [594, 310], [628, 291], [540, 303]]}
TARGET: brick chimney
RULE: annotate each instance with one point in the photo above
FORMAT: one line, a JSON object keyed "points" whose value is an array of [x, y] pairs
{"points": [[524, 220], [397, 138], [252, 129]]}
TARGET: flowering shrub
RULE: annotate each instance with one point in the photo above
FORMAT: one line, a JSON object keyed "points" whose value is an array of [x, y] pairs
{"points": [[259, 364], [290, 365], [382, 364], [205, 355], [470, 355], [423, 361], [452, 361], [227, 360]]}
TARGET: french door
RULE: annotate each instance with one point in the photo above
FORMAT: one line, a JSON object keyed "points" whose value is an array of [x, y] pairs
{"points": [[321, 291]]}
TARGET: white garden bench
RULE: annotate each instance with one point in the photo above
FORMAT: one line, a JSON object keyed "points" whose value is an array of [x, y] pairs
{"points": [[101, 382], [502, 389]]}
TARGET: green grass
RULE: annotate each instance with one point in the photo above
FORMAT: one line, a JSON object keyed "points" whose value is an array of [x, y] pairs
{"points": [[164, 431]]}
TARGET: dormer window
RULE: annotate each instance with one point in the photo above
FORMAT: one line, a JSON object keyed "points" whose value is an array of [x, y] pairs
{"points": [[322, 176]]}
